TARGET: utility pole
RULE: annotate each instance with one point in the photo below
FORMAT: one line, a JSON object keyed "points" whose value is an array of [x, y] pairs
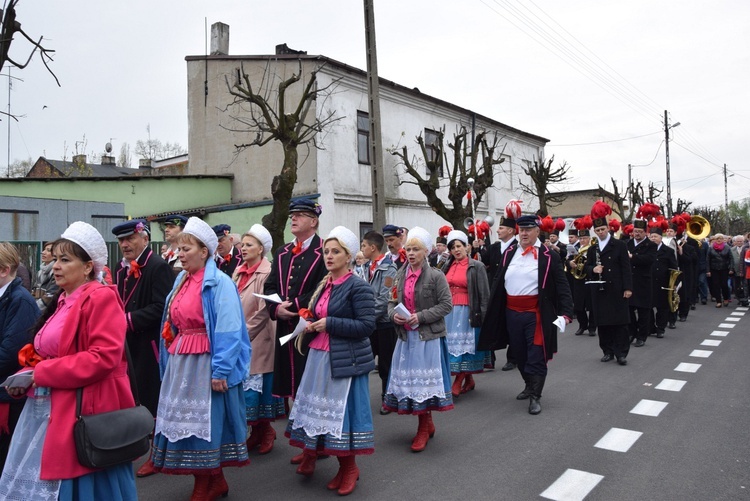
{"points": [[373, 92], [669, 182], [630, 189], [726, 201]]}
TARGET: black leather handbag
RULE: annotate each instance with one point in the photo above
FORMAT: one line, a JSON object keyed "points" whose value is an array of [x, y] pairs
{"points": [[116, 437]]}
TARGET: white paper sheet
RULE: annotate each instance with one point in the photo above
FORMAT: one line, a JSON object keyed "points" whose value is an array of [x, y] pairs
{"points": [[404, 312], [301, 325], [20, 380], [560, 323], [274, 298]]}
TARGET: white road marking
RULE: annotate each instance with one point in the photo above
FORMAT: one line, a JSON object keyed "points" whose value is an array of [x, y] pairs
{"points": [[732, 319], [685, 367], [710, 342], [648, 408], [618, 440], [670, 385], [720, 333], [743, 308], [738, 313], [701, 353], [727, 326], [573, 485]]}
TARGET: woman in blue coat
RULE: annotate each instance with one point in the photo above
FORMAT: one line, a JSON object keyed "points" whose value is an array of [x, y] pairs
{"points": [[331, 414]]}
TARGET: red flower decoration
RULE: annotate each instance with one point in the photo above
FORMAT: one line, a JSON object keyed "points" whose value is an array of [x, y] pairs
{"points": [[444, 230], [560, 224], [306, 314], [167, 335]]}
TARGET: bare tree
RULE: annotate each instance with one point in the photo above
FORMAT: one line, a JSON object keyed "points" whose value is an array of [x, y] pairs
{"points": [[124, 159], [542, 175], [475, 160], [270, 120], [618, 200], [8, 29], [19, 168], [154, 149]]}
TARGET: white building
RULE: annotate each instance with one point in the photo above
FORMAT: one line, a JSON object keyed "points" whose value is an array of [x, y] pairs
{"points": [[339, 174]]}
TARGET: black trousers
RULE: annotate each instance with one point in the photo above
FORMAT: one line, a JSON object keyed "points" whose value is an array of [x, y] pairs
{"points": [[614, 340], [383, 342], [719, 282], [528, 356], [639, 323]]}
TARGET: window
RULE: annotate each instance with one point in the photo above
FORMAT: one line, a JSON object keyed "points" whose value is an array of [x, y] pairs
{"points": [[432, 147], [363, 138]]}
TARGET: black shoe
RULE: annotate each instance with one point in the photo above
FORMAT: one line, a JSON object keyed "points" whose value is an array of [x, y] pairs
{"points": [[384, 411], [592, 332], [607, 357], [622, 361], [508, 367], [526, 393], [580, 331], [683, 319], [671, 325], [692, 306], [660, 334], [639, 343], [534, 406], [703, 301]]}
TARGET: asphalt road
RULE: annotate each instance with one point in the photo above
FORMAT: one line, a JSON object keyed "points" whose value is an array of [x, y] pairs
{"points": [[606, 432]]}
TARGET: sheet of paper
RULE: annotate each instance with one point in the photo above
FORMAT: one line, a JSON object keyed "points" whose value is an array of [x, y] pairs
{"points": [[274, 298], [301, 325], [20, 380], [404, 312], [560, 323]]}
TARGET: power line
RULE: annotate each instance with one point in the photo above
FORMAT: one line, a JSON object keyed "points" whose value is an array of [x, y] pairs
{"points": [[698, 155], [607, 141]]}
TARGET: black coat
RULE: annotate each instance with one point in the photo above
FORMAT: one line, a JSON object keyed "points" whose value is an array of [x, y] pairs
{"points": [[665, 261], [18, 314], [642, 257], [688, 262], [144, 299], [229, 266], [554, 300], [609, 306], [293, 278]]}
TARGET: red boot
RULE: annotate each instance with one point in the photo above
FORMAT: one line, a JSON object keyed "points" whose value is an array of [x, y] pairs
{"points": [[307, 467], [298, 458], [349, 475], [422, 436], [146, 470], [268, 435], [468, 384], [456, 388], [254, 440], [217, 486], [200, 489], [335, 482], [430, 425]]}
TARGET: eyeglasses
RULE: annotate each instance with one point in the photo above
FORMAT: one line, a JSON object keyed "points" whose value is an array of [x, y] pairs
{"points": [[301, 214]]}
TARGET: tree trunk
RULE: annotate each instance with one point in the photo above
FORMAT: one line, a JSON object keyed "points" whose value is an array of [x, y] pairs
{"points": [[282, 188]]}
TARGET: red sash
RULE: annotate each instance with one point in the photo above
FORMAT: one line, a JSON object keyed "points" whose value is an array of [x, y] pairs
{"points": [[528, 304]]}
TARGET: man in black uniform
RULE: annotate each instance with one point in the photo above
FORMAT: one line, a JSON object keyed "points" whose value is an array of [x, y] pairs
{"points": [[582, 295], [642, 254], [296, 270], [227, 256], [664, 261], [143, 281], [608, 263]]}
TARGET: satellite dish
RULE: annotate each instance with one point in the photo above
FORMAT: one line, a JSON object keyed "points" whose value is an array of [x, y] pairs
{"points": [[108, 147]]}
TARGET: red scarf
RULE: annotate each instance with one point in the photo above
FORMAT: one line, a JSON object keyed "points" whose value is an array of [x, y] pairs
{"points": [[531, 249], [297, 248], [135, 269], [228, 257], [245, 273], [374, 263]]}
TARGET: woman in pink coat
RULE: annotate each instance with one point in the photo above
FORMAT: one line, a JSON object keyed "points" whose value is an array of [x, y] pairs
{"points": [[261, 406], [78, 344]]}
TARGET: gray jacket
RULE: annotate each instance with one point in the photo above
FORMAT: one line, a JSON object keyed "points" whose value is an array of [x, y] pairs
{"points": [[382, 281], [432, 299], [479, 290]]}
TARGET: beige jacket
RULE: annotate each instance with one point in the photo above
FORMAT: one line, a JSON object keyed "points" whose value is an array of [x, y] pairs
{"points": [[260, 327]]}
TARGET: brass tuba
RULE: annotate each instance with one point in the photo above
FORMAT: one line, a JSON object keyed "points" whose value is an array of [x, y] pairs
{"points": [[673, 296], [579, 260], [698, 228]]}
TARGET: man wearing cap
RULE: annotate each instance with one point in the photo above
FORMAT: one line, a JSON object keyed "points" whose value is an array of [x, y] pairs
{"points": [[393, 239], [173, 226], [582, 295], [506, 234], [607, 263], [554, 239], [441, 254], [227, 256], [296, 270], [143, 280], [642, 253], [664, 261], [528, 294]]}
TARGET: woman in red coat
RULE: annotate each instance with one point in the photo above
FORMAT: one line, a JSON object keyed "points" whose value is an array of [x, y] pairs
{"points": [[78, 344]]}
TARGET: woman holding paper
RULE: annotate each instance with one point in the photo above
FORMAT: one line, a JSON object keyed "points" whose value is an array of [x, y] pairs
{"points": [[201, 423], [78, 344], [470, 293], [331, 413], [420, 373], [261, 406]]}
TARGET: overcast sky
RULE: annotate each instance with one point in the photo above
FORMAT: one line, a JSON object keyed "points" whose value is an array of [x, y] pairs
{"points": [[576, 72]]}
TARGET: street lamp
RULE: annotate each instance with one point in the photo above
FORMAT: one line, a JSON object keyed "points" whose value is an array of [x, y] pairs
{"points": [[669, 182]]}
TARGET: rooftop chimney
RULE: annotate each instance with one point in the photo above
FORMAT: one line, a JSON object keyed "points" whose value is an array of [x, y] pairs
{"points": [[79, 160], [108, 160], [283, 48], [145, 163], [219, 39]]}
